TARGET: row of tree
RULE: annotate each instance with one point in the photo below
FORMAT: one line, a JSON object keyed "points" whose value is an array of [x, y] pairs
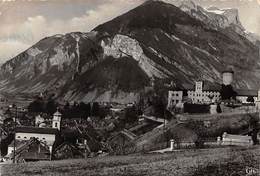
{"points": [[76, 110], [48, 106]]}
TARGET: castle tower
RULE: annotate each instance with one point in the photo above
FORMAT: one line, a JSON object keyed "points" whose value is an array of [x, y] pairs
{"points": [[56, 121], [227, 77], [198, 86]]}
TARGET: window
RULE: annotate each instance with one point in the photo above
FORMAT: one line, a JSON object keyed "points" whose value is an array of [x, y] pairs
{"points": [[56, 124], [25, 137], [43, 138], [18, 136]]}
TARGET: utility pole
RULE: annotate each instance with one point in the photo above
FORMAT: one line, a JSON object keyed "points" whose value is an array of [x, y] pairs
{"points": [[85, 148], [1, 143], [50, 148], [164, 127], [14, 106]]}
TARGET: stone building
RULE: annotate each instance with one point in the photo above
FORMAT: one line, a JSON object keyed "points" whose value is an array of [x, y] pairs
{"points": [[200, 95], [227, 77], [174, 97]]}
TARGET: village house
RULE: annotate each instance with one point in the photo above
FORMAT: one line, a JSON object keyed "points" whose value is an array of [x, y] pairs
{"points": [[30, 150], [174, 97], [44, 135], [247, 96], [67, 151], [235, 140]]}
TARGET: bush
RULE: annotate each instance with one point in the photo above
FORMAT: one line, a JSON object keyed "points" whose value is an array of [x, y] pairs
{"points": [[196, 108]]}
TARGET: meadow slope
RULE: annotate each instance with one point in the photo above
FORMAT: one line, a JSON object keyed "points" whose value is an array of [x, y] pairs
{"points": [[178, 163]]}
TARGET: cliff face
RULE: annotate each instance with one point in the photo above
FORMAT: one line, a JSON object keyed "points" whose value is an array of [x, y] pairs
{"points": [[217, 18], [119, 58]]}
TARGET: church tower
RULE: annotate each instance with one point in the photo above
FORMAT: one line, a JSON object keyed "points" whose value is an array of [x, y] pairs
{"points": [[56, 121]]}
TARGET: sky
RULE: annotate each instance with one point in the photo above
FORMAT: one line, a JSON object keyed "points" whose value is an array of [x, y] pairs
{"points": [[24, 22]]}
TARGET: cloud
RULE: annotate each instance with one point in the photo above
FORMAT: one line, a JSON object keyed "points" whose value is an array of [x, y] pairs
{"points": [[9, 48], [103, 13], [19, 35]]}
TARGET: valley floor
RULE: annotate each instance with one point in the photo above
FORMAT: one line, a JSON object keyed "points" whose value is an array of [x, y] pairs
{"points": [[186, 162]]}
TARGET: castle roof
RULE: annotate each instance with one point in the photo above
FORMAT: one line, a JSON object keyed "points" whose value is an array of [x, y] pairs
{"points": [[205, 87], [36, 130], [229, 70], [247, 92]]}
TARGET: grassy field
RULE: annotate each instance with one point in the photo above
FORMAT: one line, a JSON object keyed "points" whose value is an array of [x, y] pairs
{"points": [[179, 163]]}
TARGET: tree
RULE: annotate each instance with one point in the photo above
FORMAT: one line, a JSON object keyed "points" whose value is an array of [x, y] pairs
{"points": [[250, 99], [37, 105], [84, 109], [219, 109], [131, 114], [67, 106], [51, 106], [201, 131], [227, 92], [95, 109]]}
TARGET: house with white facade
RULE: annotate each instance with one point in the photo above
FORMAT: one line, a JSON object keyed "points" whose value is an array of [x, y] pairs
{"points": [[243, 95], [45, 135], [235, 140]]}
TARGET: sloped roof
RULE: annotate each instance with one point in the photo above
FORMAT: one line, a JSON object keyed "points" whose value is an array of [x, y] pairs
{"points": [[62, 150], [206, 86], [18, 143], [36, 130], [228, 70], [57, 113], [247, 92], [211, 87], [32, 144]]}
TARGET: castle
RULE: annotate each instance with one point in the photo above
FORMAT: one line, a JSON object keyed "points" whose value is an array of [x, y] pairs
{"points": [[204, 94]]}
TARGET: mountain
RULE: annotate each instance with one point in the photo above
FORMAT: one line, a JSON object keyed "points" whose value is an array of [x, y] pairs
{"points": [[218, 18], [118, 59], [213, 16]]}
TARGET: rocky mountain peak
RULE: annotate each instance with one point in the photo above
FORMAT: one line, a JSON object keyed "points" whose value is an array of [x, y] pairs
{"points": [[188, 6], [214, 16], [120, 58]]}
